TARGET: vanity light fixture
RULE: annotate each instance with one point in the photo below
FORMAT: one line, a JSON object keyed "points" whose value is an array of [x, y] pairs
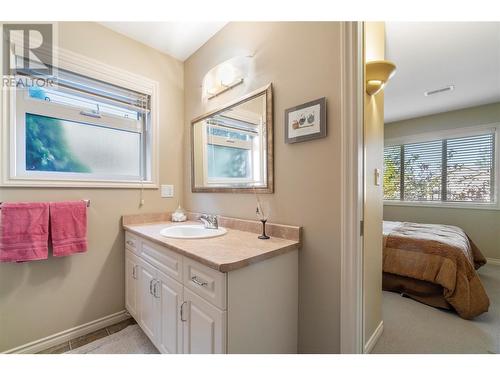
{"points": [[223, 88], [226, 77], [378, 73]]}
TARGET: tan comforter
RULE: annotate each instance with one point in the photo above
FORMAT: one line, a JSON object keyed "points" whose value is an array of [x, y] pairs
{"points": [[441, 254]]}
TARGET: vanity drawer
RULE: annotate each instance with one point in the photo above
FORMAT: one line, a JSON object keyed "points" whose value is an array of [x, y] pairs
{"points": [[167, 261], [132, 243], [205, 282]]}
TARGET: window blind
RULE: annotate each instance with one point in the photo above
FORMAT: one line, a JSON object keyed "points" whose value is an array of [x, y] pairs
{"points": [[470, 169], [70, 84], [455, 170], [422, 171], [392, 172], [104, 91]]}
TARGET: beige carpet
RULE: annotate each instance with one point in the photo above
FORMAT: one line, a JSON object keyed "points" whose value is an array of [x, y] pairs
{"points": [[412, 327], [130, 340]]}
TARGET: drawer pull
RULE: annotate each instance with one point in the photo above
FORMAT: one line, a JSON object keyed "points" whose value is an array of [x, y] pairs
{"points": [[131, 243], [195, 280], [182, 312], [134, 272], [156, 295], [151, 286]]}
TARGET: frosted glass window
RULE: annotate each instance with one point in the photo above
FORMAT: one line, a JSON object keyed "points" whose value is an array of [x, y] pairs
{"points": [[228, 162], [81, 131], [56, 145]]}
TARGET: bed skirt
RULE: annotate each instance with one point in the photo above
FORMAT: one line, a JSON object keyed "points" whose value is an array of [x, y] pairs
{"points": [[419, 290]]}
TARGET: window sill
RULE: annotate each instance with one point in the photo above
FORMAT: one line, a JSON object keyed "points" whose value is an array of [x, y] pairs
{"points": [[472, 206], [79, 184]]}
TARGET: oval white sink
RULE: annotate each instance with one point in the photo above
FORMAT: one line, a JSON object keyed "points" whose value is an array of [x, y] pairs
{"points": [[191, 231]]}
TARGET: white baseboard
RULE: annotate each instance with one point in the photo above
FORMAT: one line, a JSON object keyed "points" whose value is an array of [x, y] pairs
{"points": [[374, 338], [69, 334], [493, 261]]}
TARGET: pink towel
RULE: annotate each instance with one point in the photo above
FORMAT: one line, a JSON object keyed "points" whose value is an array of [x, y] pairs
{"points": [[24, 231], [68, 227]]}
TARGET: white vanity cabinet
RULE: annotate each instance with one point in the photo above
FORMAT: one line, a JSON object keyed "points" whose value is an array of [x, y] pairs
{"points": [[204, 329], [184, 306], [131, 276], [170, 297], [147, 305]]}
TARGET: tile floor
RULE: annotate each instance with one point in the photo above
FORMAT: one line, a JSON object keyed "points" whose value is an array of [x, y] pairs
{"points": [[83, 340]]}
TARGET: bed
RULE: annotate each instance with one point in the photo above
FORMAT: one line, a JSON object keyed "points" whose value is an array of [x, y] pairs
{"points": [[434, 264]]}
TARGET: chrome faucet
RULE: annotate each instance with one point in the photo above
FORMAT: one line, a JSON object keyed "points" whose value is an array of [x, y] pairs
{"points": [[209, 221]]}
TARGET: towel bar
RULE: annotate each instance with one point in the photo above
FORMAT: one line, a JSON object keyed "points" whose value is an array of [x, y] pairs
{"points": [[87, 202]]}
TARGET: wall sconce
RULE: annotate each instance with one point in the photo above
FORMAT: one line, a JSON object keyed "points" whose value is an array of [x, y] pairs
{"points": [[223, 78], [378, 73]]}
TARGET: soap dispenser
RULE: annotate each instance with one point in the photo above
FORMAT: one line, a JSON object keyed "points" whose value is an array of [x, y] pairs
{"points": [[179, 215]]}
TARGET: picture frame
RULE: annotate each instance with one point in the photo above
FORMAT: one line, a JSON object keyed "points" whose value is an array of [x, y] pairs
{"points": [[306, 122]]}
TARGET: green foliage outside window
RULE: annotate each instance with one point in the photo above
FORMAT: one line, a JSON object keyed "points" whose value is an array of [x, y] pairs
{"points": [[47, 148]]}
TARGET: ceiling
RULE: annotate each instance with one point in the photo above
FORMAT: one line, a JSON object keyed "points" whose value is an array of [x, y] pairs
{"points": [[432, 55], [177, 39]]}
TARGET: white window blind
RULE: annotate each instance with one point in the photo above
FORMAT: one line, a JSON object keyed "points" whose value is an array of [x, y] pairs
{"points": [[93, 97], [422, 171], [470, 169], [452, 170], [392, 172]]}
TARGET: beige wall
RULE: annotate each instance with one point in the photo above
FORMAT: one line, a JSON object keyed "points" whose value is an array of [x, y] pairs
{"points": [[373, 197], [303, 62], [41, 298], [481, 225]]}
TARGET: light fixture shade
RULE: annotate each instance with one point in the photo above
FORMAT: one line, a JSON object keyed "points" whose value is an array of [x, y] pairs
{"points": [[225, 76], [377, 74]]}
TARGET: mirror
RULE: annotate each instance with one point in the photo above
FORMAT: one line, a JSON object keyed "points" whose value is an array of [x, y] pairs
{"points": [[232, 147]]}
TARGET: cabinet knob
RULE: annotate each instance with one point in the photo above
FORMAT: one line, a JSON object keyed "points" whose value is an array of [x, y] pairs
{"points": [[130, 242]]}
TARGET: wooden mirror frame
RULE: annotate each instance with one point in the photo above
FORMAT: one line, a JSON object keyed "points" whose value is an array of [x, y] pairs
{"points": [[269, 189]]}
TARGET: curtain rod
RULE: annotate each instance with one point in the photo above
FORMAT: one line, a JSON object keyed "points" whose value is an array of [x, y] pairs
{"points": [[87, 203]]}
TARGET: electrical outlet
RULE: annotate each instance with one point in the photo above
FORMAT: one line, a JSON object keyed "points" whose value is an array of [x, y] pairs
{"points": [[167, 191]]}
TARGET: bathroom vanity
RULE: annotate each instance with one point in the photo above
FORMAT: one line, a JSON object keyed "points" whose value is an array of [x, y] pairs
{"points": [[228, 294]]}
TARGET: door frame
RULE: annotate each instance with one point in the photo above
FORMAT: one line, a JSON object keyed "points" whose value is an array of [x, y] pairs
{"points": [[352, 191]]}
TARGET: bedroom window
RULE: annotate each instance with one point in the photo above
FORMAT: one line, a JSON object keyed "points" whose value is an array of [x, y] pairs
{"points": [[456, 170], [81, 130]]}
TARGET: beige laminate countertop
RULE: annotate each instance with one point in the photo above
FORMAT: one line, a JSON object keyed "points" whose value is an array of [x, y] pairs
{"points": [[235, 249]]}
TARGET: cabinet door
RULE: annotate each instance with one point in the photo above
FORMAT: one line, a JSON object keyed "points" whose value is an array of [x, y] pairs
{"points": [[131, 277], [170, 295], [204, 326], [147, 303]]}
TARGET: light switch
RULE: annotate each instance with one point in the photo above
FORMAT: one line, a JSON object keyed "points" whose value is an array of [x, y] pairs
{"points": [[167, 191]]}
